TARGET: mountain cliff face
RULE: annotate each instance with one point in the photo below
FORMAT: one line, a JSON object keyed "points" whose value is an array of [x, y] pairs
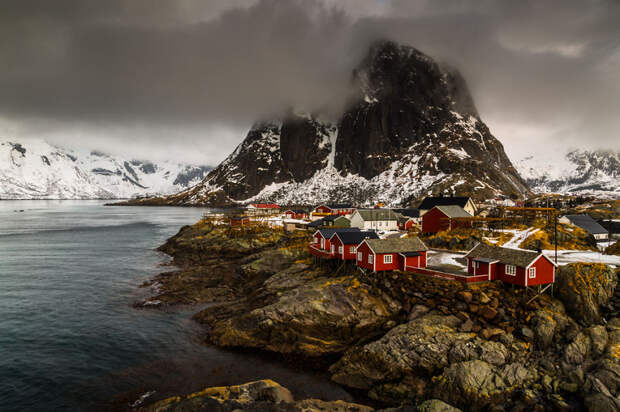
{"points": [[411, 129], [37, 170], [580, 172]]}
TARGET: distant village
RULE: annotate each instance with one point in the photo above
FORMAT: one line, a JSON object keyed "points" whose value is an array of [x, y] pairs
{"points": [[383, 239]]}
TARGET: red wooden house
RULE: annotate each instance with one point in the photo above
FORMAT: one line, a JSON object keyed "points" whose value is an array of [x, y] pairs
{"points": [[239, 221], [441, 218], [345, 243], [391, 254], [333, 209], [519, 267], [296, 214], [406, 223], [321, 245]]}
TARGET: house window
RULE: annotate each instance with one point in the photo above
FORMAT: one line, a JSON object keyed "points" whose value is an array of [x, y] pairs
{"points": [[352, 249], [322, 243], [359, 256], [511, 270], [387, 258], [531, 272], [477, 265], [370, 259], [340, 249], [333, 248]]}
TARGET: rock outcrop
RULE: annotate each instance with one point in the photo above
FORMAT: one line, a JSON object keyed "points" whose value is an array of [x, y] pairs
{"points": [[406, 341], [584, 288], [264, 395]]}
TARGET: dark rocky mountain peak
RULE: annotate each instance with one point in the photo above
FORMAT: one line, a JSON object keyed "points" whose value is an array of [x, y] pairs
{"points": [[411, 129]]}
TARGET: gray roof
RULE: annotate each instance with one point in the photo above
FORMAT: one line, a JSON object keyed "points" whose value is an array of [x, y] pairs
{"points": [[399, 245], [338, 205], [333, 217], [432, 201], [350, 238], [587, 223], [505, 255], [327, 233], [408, 212], [453, 211], [373, 215]]}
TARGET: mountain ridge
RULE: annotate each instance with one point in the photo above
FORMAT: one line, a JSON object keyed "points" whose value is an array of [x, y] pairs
{"points": [[34, 169], [411, 129], [577, 172]]}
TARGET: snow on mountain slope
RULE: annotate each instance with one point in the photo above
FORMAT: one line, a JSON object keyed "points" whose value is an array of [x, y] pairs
{"points": [[578, 172], [412, 129], [34, 169]]}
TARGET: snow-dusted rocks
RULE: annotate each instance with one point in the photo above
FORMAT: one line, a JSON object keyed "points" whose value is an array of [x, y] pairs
{"points": [[578, 172], [411, 130], [34, 169]]}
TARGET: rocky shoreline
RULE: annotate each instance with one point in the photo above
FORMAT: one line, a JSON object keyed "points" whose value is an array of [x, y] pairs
{"points": [[404, 341]]}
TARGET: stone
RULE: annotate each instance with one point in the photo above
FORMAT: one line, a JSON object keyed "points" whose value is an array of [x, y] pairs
{"points": [[435, 405], [417, 311], [494, 353], [466, 326], [487, 312], [601, 403], [577, 351], [466, 296], [422, 344], [584, 288], [491, 332], [473, 308], [476, 384], [598, 337], [527, 333], [484, 299]]}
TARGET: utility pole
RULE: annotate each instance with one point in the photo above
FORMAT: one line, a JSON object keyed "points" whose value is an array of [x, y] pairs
{"points": [[555, 236]]}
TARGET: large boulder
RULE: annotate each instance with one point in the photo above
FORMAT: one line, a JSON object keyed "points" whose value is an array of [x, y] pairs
{"points": [[477, 384], [435, 405], [265, 395], [583, 288], [316, 317], [423, 344]]}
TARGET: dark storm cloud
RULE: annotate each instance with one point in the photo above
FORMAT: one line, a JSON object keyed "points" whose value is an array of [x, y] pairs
{"points": [[537, 69]]}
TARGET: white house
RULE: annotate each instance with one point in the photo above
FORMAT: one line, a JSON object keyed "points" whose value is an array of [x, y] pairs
{"points": [[375, 219]]}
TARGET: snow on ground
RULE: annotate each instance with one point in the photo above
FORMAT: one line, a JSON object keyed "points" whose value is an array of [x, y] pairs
{"points": [[589, 256], [436, 258], [518, 236]]}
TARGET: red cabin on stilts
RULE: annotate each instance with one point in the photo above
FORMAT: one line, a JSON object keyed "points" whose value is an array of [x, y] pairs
{"points": [[515, 266], [346, 243], [379, 255]]}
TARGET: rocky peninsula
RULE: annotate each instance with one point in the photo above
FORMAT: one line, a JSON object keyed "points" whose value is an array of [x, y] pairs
{"points": [[398, 341]]}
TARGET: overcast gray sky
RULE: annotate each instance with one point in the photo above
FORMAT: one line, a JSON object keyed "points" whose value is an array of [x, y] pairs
{"points": [[185, 79]]}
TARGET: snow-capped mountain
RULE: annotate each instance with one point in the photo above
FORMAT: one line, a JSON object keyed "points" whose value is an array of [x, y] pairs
{"points": [[579, 172], [411, 130], [34, 169]]}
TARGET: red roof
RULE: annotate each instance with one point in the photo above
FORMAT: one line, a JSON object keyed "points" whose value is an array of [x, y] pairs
{"points": [[265, 205]]}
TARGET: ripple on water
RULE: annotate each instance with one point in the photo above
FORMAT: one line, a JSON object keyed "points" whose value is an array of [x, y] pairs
{"points": [[69, 338]]}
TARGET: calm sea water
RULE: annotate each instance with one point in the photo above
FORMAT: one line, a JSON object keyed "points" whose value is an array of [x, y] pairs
{"points": [[69, 336]]}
